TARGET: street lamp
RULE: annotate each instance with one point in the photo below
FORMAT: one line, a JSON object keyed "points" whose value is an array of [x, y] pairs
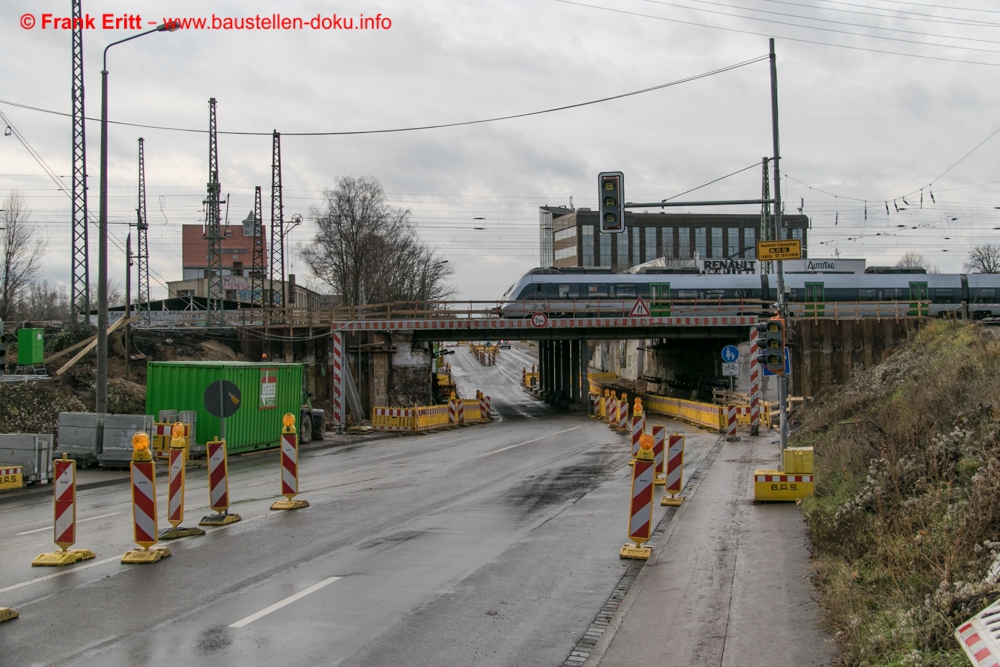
{"points": [[102, 245]]}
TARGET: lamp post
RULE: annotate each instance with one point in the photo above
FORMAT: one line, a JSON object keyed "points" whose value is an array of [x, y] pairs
{"points": [[102, 244]]}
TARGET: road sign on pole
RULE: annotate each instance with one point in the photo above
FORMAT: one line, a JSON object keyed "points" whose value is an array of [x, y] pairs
{"points": [[731, 369], [730, 353]]}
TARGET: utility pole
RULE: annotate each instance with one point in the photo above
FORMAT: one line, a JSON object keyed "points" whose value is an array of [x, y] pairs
{"points": [[778, 233], [143, 241], [258, 267], [79, 300], [276, 252], [213, 226]]}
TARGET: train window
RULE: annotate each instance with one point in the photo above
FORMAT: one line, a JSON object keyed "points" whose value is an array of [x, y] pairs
{"points": [[894, 293], [687, 294], [597, 291], [943, 295], [625, 290], [713, 294], [569, 291], [985, 295], [867, 295]]}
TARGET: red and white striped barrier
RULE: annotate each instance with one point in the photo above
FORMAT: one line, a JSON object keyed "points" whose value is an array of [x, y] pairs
{"points": [[289, 467], [392, 419], [636, 434], [754, 383], [675, 470], [338, 392], [978, 637], [731, 429], [175, 485], [144, 519], [784, 479], [452, 412], [64, 525], [144, 512], [218, 486], [489, 408], [623, 414], [460, 404], [659, 436], [484, 411], [608, 407], [640, 518]]}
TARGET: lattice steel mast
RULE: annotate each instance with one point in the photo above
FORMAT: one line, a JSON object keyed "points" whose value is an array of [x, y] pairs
{"points": [[766, 228], [276, 251], [213, 226], [80, 280], [142, 226], [258, 266]]}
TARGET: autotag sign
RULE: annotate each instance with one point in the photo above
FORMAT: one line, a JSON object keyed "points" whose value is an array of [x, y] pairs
{"points": [[790, 249]]}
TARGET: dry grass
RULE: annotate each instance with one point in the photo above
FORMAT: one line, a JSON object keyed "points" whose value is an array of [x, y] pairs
{"points": [[905, 522]]}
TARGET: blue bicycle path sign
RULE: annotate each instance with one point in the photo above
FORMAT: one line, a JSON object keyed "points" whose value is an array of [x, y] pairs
{"points": [[730, 354]]}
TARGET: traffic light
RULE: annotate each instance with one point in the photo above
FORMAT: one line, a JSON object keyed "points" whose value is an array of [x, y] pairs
{"points": [[771, 343], [612, 195]]}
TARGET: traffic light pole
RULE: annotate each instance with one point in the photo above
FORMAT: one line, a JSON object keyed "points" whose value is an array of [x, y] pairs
{"points": [[778, 229]]}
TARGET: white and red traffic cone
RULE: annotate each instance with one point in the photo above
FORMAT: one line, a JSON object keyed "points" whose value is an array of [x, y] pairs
{"points": [[289, 467], [143, 474], [659, 435], [640, 516], [64, 528], [218, 486], [175, 485], [675, 470]]}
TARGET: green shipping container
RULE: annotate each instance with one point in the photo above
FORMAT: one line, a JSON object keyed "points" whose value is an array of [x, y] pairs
{"points": [[268, 391], [30, 347]]}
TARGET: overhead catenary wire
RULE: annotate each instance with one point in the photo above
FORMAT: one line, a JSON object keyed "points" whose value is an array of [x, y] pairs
{"points": [[419, 128], [784, 38]]}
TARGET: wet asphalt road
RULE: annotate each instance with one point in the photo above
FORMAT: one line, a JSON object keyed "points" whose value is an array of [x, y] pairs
{"points": [[486, 545]]}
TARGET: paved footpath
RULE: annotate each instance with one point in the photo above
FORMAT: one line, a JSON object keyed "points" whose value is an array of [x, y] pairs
{"points": [[727, 583]]}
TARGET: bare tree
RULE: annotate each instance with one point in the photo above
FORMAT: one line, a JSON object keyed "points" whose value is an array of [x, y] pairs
{"points": [[984, 259], [20, 252], [914, 260], [39, 301], [368, 251]]}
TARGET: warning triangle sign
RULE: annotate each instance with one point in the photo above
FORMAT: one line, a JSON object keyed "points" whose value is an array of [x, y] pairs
{"points": [[639, 309]]}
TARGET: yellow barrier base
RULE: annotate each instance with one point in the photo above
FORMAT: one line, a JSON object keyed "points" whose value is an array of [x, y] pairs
{"points": [[671, 501], [631, 461], [144, 556], [289, 504], [219, 519], [635, 553], [177, 532], [776, 486], [659, 481], [7, 614], [60, 558]]}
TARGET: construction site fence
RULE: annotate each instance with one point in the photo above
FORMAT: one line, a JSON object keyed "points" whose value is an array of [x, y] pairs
{"points": [[423, 418]]}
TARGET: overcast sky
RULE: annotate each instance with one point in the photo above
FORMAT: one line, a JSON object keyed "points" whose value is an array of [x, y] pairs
{"points": [[878, 99]]}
